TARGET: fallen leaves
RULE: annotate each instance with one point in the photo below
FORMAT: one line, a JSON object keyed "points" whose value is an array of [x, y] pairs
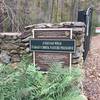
{"points": [[92, 71]]}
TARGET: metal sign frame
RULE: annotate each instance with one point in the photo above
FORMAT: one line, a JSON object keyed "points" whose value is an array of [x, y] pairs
{"points": [[64, 29]]}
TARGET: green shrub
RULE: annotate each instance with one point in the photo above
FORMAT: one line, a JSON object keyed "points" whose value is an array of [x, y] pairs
{"points": [[26, 83]]}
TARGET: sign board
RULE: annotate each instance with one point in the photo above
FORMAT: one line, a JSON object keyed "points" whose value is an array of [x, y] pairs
{"points": [[51, 45], [97, 29]]}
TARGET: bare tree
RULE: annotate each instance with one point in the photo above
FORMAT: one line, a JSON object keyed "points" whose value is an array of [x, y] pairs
{"points": [[1, 15], [24, 12]]}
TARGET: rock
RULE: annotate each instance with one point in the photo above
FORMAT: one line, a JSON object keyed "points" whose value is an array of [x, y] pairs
{"points": [[22, 48], [9, 46], [75, 61], [79, 30], [10, 34], [29, 26], [26, 44], [4, 57], [76, 55], [42, 25], [8, 38], [22, 52], [27, 50], [79, 43], [57, 26], [0, 40], [26, 39], [17, 40], [15, 37], [13, 51], [2, 36], [80, 49], [49, 25], [77, 24], [22, 44], [80, 36], [15, 58], [25, 34]]}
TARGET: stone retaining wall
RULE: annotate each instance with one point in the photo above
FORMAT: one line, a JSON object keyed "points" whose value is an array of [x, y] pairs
{"points": [[14, 45]]}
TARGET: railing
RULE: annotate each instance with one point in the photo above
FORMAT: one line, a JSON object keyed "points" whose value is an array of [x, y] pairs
{"points": [[86, 17]]}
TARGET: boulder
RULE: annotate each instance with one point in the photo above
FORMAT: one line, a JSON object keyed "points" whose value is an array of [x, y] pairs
{"points": [[4, 57]]}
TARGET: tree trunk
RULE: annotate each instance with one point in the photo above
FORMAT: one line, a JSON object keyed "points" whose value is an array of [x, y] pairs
{"points": [[1, 15]]}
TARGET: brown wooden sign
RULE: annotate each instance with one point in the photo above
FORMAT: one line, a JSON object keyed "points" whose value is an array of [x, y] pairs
{"points": [[44, 59], [51, 33]]}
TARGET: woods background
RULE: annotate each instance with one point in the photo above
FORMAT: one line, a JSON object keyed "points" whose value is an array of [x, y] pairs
{"points": [[16, 14]]}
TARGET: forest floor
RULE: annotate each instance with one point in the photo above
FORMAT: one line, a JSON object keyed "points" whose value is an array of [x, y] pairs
{"points": [[92, 70]]}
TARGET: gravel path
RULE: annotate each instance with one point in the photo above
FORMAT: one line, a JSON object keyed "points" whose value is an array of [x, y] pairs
{"points": [[92, 70]]}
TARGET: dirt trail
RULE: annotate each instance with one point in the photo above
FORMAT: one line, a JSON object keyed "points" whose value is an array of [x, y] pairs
{"points": [[92, 70]]}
